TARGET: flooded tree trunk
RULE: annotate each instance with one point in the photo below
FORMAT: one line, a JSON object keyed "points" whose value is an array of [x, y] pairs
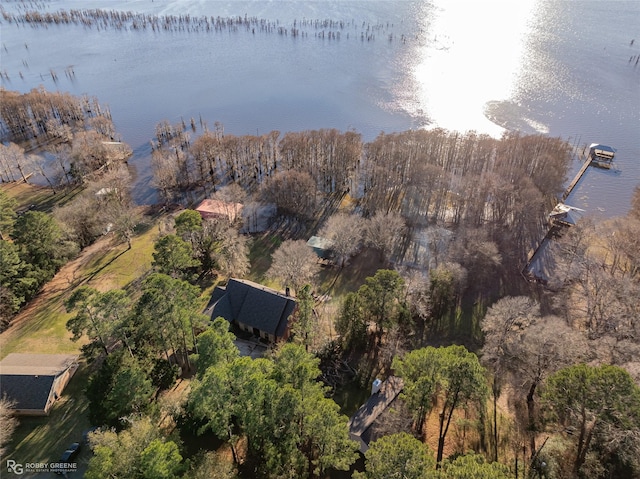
{"points": [[531, 417]]}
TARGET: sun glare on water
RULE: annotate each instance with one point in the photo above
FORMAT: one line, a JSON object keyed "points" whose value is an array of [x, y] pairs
{"points": [[471, 55]]}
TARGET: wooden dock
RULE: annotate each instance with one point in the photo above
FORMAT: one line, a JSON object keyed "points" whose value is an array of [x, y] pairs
{"points": [[540, 262], [535, 269], [577, 178]]}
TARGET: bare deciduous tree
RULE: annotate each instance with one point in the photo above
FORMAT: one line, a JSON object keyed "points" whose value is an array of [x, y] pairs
{"points": [[117, 208], [165, 172], [635, 204], [89, 153], [104, 206], [623, 244], [417, 285], [205, 153], [294, 192], [345, 233], [61, 164], [13, 157], [58, 130], [383, 231], [38, 163], [479, 255], [220, 246], [8, 423], [523, 347], [102, 125], [81, 219], [123, 221], [294, 263]]}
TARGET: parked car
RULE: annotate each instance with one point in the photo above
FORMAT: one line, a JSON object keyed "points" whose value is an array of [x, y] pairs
{"points": [[68, 456], [71, 453]]}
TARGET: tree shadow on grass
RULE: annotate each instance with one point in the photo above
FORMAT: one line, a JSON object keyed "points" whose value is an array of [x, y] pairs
{"points": [[340, 281], [143, 227], [101, 268]]}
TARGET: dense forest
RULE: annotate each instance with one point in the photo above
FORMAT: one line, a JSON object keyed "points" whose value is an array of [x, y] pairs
{"points": [[486, 189], [501, 377]]}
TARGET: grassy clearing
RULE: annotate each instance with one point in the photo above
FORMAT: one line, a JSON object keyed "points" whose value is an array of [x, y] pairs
{"points": [[40, 328], [338, 282], [37, 197], [44, 333], [26, 194], [120, 267], [262, 247]]}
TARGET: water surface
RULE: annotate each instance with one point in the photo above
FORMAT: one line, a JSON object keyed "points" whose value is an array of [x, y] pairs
{"points": [[555, 67]]}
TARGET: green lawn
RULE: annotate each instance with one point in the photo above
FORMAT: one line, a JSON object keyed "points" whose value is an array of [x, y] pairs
{"points": [[40, 197], [261, 249], [116, 267], [120, 267], [44, 332], [338, 282]]}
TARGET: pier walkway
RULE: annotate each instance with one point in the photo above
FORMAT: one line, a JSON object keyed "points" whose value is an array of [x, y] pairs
{"points": [[577, 178]]}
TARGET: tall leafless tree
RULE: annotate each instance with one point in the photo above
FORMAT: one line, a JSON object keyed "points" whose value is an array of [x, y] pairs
{"points": [[383, 231], [8, 423], [345, 233], [294, 263], [294, 192], [523, 348]]}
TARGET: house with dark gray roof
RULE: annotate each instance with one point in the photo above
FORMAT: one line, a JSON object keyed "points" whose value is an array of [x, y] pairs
{"points": [[33, 382], [253, 307], [360, 424]]}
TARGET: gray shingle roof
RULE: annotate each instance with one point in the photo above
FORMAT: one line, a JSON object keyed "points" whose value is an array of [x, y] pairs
{"points": [[27, 379], [222, 308], [255, 306], [27, 391], [364, 417]]}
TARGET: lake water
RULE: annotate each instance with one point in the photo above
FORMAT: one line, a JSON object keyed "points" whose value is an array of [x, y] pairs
{"points": [[557, 67]]}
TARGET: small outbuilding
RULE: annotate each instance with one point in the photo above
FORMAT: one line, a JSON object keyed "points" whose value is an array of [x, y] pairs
{"points": [[565, 215], [33, 382], [321, 246], [601, 155], [602, 151]]}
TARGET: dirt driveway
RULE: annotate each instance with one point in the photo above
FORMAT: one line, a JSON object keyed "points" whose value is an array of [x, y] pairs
{"points": [[65, 280]]}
